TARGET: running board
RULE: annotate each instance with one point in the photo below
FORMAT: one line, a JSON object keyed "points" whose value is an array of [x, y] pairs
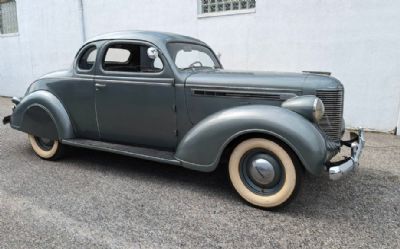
{"points": [[126, 150]]}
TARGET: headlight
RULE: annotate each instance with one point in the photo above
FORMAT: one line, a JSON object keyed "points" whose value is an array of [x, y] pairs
{"points": [[308, 106], [318, 110]]}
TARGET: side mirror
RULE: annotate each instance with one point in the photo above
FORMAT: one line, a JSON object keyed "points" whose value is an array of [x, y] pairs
{"points": [[152, 53]]}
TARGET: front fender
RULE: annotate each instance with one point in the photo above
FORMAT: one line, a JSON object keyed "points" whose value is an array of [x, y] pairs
{"points": [[202, 146], [42, 114]]}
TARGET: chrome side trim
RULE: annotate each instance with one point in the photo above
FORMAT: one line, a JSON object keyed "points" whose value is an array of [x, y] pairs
{"points": [[268, 95], [133, 82], [318, 72], [83, 75], [73, 78], [150, 79], [220, 87]]}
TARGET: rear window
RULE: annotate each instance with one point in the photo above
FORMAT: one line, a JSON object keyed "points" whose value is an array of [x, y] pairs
{"points": [[88, 58]]}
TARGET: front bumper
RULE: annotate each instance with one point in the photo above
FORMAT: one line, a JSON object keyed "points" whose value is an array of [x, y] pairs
{"points": [[342, 168]]}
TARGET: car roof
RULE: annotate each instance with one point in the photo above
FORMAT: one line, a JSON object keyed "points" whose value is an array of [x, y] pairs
{"points": [[155, 37]]}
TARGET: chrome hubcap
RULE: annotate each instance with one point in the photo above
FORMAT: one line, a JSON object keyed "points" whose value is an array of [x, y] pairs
{"points": [[262, 171], [44, 143]]}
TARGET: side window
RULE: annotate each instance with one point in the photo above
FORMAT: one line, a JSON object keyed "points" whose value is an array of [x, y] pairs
{"points": [[88, 58], [130, 58], [117, 56]]}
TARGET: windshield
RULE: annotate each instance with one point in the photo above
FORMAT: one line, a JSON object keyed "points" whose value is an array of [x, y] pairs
{"points": [[192, 56]]}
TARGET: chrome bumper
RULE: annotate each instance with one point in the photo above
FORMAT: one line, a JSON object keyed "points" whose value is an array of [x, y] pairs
{"points": [[350, 164]]}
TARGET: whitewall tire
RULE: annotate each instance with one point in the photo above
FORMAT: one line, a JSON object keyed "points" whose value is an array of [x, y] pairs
{"points": [[46, 148], [263, 173]]}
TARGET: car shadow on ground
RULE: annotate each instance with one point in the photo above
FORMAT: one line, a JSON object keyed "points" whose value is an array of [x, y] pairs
{"points": [[318, 198], [135, 168]]}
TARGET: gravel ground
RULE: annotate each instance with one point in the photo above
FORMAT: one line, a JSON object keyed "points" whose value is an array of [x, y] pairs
{"points": [[98, 200]]}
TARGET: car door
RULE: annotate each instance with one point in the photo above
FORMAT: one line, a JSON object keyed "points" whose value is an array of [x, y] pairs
{"points": [[77, 92], [135, 97]]}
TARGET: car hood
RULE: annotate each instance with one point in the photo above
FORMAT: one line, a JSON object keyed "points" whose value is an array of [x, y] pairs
{"points": [[293, 82]]}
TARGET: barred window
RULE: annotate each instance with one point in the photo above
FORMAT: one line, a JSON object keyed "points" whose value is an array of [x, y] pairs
{"points": [[223, 6], [8, 17]]}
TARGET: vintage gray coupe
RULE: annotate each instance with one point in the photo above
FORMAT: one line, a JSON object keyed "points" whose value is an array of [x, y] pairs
{"points": [[166, 97]]}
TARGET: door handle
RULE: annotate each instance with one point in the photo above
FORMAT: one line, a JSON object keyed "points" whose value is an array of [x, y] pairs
{"points": [[98, 85]]}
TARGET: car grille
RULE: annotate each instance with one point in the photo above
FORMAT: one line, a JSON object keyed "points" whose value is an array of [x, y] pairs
{"points": [[331, 123]]}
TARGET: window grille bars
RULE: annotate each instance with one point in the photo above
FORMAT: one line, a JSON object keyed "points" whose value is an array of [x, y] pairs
{"points": [[215, 6], [8, 17]]}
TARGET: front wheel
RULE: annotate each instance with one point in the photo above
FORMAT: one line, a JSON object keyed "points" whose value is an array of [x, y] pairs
{"points": [[46, 148], [263, 173]]}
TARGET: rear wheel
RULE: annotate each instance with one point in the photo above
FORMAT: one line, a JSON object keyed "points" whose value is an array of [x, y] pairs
{"points": [[46, 148], [263, 173]]}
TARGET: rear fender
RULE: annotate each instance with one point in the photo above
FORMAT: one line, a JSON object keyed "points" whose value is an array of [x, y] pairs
{"points": [[42, 114], [202, 146]]}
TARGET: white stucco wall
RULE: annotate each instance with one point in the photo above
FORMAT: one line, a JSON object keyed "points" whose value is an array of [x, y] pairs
{"points": [[398, 122], [357, 40], [48, 38]]}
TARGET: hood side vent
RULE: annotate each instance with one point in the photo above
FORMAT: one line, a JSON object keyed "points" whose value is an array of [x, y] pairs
{"points": [[242, 94]]}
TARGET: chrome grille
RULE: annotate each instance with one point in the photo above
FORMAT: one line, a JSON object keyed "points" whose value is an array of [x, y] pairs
{"points": [[332, 121]]}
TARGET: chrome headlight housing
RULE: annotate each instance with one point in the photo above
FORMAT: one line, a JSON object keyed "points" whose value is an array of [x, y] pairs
{"points": [[309, 106], [318, 109]]}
